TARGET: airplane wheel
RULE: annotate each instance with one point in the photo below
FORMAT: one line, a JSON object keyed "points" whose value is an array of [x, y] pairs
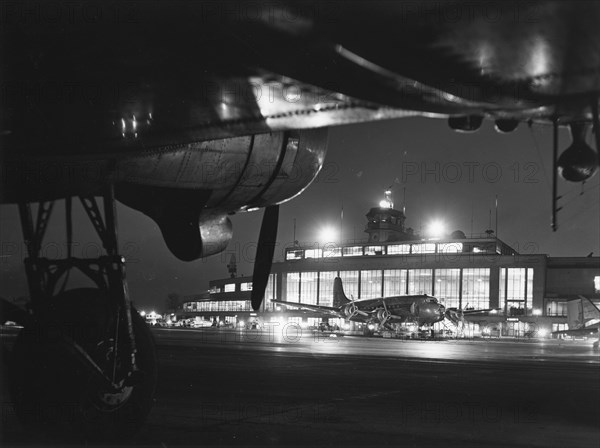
{"points": [[55, 395]]}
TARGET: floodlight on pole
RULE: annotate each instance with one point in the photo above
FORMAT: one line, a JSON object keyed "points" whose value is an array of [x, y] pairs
{"points": [[387, 202], [327, 235], [436, 229]]}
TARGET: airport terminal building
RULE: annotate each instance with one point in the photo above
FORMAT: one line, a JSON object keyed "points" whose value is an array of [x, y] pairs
{"points": [[479, 272]]}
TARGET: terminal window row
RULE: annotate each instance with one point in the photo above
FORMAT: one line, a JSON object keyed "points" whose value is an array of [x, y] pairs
{"points": [[391, 249], [448, 284]]}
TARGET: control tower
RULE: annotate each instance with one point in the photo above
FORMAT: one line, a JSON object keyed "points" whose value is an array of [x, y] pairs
{"points": [[385, 223]]}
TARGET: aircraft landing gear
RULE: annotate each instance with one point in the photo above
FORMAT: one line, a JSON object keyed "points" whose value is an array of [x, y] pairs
{"points": [[85, 367]]}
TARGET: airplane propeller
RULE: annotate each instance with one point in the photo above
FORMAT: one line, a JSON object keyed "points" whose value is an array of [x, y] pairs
{"points": [[264, 255], [455, 315], [352, 309], [384, 315]]}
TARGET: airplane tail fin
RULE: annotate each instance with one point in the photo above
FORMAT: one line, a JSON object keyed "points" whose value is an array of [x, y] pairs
{"points": [[339, 298], [574, 314]]}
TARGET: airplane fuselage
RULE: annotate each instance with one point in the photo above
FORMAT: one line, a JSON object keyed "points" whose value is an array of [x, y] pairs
{"points": [[422, 309]]}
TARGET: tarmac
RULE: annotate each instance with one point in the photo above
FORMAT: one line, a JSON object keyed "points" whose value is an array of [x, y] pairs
{"points": [[292, 387]]}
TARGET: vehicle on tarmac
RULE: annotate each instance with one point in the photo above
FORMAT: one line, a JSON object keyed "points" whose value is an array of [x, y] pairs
{"points": [[327, 329]]}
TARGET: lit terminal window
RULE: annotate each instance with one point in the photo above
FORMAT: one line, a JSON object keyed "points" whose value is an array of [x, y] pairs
{"points": [[529, 285], [350, 282], [450, 248], [476, 288], [229, 305], [373, 250], [420, 281], [270, 293], [447, 286], [395, 249], [394, 282], [516, 285], [230, 287], [559, 327], [246, 286], [370, 284], [425, 248], [556, 308], [326, 280], [294, 254], [597, 284], [308, 287], [292, 287], [353, 251], [329, 251], [313, 253]]}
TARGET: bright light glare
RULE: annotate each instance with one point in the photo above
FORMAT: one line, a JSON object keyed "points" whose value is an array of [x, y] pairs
{"points": [[436, 229], [142, 313], [537, 312], [542, 333], [385, 204], [327, 235]]}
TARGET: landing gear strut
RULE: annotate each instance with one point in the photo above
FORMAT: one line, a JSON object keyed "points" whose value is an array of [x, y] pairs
{"points": [[85, 367]]}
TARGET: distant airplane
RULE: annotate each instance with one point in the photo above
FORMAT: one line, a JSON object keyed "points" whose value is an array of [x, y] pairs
{"points": [[583, 319], [418, 309]]}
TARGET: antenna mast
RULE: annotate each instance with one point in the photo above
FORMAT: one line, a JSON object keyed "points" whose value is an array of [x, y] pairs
{"points": [[496, 216]]}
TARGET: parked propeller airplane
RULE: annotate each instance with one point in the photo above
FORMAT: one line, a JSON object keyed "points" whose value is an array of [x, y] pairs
{"points": [[384, 311], [191, 111], [583, 319]]}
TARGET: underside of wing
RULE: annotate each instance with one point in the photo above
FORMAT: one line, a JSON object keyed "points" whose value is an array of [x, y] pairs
{"points": [[233, 76]]}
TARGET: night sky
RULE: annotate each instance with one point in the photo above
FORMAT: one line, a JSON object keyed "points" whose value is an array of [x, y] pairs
{"points": [[447, 175]]}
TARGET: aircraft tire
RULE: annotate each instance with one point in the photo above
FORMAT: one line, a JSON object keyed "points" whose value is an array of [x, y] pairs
{"points": [[56, 397]]}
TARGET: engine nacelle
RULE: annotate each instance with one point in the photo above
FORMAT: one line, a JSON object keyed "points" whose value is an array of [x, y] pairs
{"points": [[466, 123], [579, 162], [505, 125], [382, 315], [350, 310], [190, 190]]}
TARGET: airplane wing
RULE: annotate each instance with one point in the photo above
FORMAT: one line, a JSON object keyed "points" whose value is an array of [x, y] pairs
{"points": [[484, 311], [330, 311], [587, 331], [400, 314], [583, 318], [184, 117], [223, 74]]}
